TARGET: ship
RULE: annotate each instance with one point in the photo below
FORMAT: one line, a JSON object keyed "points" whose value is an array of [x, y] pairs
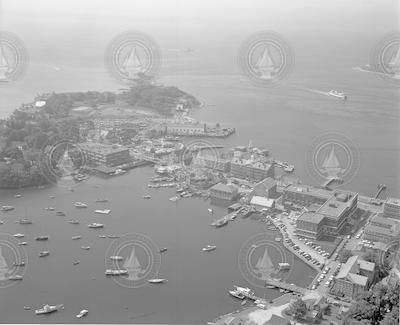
{"points": [[76, 237], [73, 222], [163, 249], [19, 235], [237, 294], [95, 225], [19, 264], [115, 272], [101, 200], [22, 243], [16, 277], [147, 197], [157, 280], [49, 209], [264, 265], [6, 208], [116, 258], [86, 248], [47, 309], [132, 65], [283, 266], [337, 94], [132, 266], [60, 214]]}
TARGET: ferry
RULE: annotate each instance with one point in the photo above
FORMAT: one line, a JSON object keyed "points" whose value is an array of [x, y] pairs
{"points": [[73, 222], [24, 222], [44, 253], [76, 237], [15, 277], [157, 280], [115, 272], [47, 309], [101, 200], [237, 294], [163, 249], [105, 211], [335, 93], [209, 248], [95, 225], [6, 208], [147, 197], [80, 205], [19, 235], [82, 313], [116, 258], [42, 238]]}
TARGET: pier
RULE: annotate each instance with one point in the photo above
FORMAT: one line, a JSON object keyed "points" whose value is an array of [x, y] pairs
{"points": [[224, 220], [330, 181], [381, 188], [285, 286]]}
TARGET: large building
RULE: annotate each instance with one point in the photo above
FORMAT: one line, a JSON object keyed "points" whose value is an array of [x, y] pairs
{"points": [[255, 171], [213, 162], [105, 154], [186, 129], [354, 277], [330, 218], [380, 229], [391, 208], [305, 195], [223, 191], [266, 188]]}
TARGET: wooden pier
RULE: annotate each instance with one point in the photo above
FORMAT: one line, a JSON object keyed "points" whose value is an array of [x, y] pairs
{"points": [[285, 286]]}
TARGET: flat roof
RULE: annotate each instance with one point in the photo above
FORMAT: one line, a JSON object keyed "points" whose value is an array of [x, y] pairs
{"points": [[101, 148], [379, 230], [336, 204], [379, 219], [313, 217], [224, 187], [263, 201], [320, 192]]}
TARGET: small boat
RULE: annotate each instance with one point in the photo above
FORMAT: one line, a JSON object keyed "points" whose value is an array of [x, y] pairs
{"points": [[52, 197], [19, 235], [42, 238], [1, 222], [101, 200], [105, 211], [174, 198], [209, 248], [236, 294], [15, 277], [22, 243], [76, 237], [95, 225], [102, 236], [73, 222], [60, 214], [278, 239], [115, 272], [337, 94], [47, 309], [220, 223], [283, 266], [116, 258], [24, 222], [17, 195], [163, 249], [44, 253], [19, 264], [49, 209], [80, 205], [6, 208], [86, 248], [210, 210], [147, 197], [113, 236], [27, 308], [82, 313], [157, 280], [270, 286], [76, 262]]}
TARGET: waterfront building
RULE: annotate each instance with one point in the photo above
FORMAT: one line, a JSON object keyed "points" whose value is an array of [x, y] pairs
{"points": [[223, 191], [354, 277], [254, 170], [305, 195], [260, 202], [310, 224], [266, 188], [380, 229], [103, 154], [186, 129], [391, 208], [213, 162]]}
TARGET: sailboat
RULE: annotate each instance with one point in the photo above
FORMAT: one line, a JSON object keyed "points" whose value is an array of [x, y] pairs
{"points": [[394, 64], [265, 66], [132, 65], [331, 165], [4, 66], [3, 267], [264, 265], [133, 266]]}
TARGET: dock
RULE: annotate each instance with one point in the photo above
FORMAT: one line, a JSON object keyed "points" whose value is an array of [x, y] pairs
{"points": [[330, 181], [285, 286], [381, 188], [224, 219]]}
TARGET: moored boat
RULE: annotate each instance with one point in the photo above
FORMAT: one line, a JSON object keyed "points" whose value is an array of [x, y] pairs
{"points": [[42, 238], [44, 253], [47, 309], [116, 258], [6, 208], [80, 205], [24, 222], [82, 313], [76, 237], [209, 248], [157, 280], [105, 211], [236, 294], [19, 235], [95, 225]]}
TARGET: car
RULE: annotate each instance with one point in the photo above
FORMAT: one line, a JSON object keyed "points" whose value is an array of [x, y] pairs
{"points": [[348, 236]]}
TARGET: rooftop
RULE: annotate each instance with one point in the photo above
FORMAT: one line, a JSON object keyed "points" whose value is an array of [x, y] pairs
{"points": [[224, 187], [322, 193], [262, 201], [313, 217], [350, 269], [101, 148], [337, 204]]}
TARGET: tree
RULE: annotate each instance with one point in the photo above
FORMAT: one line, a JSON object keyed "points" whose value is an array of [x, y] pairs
{"points": [[345, 255], [298, 308]]}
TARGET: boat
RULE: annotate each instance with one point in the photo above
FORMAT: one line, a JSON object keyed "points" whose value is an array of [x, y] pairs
{"points": [[268, 286], [19, 264], [95, 225], [244, 302], [76, 262], [278, 239], [86, 248], [157, 280], [102, 236], [47, 309], [76, 237], [24, 222], [209, 248], [337, 94], [80, 205], [163, 249], [82, 313], [52, 197], [113, 236], [42, 238], [22, 243], [27, 308], [6, 208], [289, 169], [115, 272], [220, 223], [236, 294], [19, 235], [49, 209], [73, 222], [174, 198], [105, 211], [116, 258], [147, 197], [243, 290], [44, 253], [101, 200], [210, 210], [15, 277], [283, 266], [17, 195], [60, 214]]}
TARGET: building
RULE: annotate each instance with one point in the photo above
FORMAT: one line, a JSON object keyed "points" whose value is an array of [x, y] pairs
{"points": [[255, 171], [105, 154], [391, 208], [380, 229], [223, 191], [354, 277], [260, 202], [186, 129], [213, 162], [330, 218], [266, 188], [305, 195]]}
